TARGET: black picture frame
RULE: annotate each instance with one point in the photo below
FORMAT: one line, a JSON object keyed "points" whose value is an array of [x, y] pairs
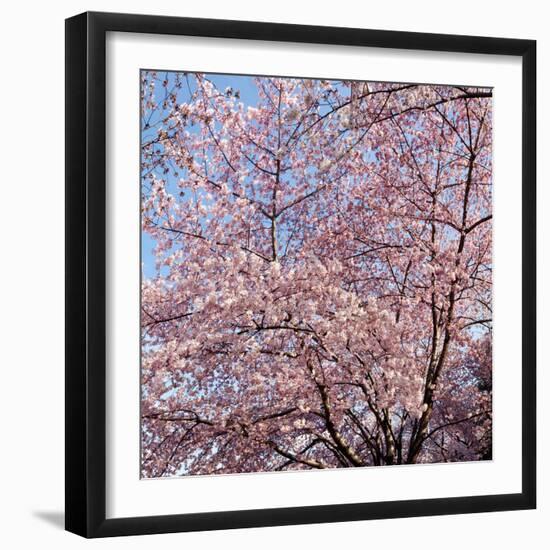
{"points": [[86, 274]]}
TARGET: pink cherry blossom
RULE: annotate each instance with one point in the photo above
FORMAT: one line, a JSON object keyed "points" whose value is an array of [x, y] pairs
{"points": [[322, 289]]}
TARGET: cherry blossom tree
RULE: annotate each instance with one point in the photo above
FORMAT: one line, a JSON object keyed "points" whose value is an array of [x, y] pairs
{"points": [[322, 289]]}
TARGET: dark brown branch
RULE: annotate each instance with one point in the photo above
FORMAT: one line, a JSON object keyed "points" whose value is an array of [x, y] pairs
{"points": [[308, 462], [454, 423], [479, 222]]}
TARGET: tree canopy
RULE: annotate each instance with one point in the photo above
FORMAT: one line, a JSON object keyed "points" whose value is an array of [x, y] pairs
{"points": [[322, 293]]}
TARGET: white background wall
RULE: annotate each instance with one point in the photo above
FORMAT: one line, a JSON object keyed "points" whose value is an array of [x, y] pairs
{"points": [[31, 272]]}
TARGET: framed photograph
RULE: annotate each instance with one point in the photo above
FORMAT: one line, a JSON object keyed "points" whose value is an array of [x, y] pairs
{"points": [[300, 274]]}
